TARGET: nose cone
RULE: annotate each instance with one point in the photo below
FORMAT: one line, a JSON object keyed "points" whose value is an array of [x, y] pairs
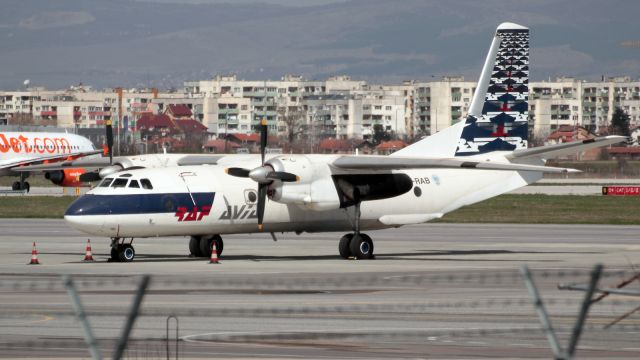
{"points": [[84, 215], [81, 206]]}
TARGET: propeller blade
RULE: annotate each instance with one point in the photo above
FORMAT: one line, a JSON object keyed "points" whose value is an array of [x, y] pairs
{"points": [[262, 199], [282, 176], [238, 172], [109, 130], [263, 138], [89, 177]]}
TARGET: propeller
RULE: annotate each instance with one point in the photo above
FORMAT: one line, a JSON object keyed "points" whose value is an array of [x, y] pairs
{"points": [[109, 129], [264, 175], [95, 176]]}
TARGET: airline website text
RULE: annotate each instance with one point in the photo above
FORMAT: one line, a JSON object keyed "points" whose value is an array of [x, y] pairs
{"points": [[39, 145]]}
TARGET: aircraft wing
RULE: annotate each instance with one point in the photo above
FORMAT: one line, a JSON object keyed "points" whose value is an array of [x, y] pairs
{"points": [[101, 162], [551, 151], [199, 159], [374, 163], [34, 165]]}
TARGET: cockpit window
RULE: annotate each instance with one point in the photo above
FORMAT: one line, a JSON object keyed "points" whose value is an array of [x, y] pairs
{"points": [[134, 184], [146, 184], [106, 182], [118, 183]]}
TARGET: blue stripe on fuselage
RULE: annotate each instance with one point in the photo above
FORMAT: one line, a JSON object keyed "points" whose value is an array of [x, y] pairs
{"points": [[92, 204]]}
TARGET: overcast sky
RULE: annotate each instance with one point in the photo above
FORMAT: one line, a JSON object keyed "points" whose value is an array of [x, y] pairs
{"points": [[162, 43]]}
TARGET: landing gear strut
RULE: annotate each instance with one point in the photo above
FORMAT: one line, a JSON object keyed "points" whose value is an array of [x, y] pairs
{"points": [[121, 251], [356, 245], [200, 246], [22, 184]]}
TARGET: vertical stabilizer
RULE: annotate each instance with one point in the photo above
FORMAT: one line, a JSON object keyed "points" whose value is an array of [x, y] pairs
{"points": [[502, 124], [497, 118]]}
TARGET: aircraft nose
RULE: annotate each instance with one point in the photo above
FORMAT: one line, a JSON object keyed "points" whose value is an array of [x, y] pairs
{"points": [[81, 206], [84, 214]]}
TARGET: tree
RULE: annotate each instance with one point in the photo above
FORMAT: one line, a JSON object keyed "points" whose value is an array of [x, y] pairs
{"points": [[620, 122], [293, 118], [380, 134]]}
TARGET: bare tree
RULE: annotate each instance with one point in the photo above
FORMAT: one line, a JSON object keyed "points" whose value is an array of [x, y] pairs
{"points": [[293, 118], [21, 119]]}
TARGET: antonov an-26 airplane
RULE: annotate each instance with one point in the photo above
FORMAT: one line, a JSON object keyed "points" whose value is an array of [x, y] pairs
{"points": [[484, 156]]}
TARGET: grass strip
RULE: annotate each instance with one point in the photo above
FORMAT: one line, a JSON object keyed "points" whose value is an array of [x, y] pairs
{"points": [[525, 209]]}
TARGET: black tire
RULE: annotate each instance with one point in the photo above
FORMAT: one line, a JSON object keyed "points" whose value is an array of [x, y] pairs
{"points": [[343, 246], [115, 254], [194, 246], [361, 247], [126, 253], [27, 186], [206, 243], [15, 186], [219, 244]]}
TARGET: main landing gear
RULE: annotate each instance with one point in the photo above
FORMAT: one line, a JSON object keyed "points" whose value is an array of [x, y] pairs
{"points": [[356, 245], [122, 251], [22, 184], [201, 245]]}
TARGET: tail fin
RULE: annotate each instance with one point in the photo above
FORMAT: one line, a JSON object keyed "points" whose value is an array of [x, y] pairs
{"points": [[498, 113], [502, 122]]}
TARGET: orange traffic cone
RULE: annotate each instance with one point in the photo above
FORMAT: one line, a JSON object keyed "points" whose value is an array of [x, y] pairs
{"points": [[214, 254], [87, 254], [34, 256]]}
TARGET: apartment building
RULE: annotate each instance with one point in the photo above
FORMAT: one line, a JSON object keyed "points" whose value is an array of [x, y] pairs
{"points": [[335, 107], [441, 103], [568, 101]]}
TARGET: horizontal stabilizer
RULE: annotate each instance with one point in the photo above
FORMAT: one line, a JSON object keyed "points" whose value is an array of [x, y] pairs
{"points": [[551, 151], [374, 163]]}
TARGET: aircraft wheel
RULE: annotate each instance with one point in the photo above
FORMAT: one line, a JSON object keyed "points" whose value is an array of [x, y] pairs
{"points": [[343, 246], [15, 185], [206, 243], [194, 246], [361, 246], [115, 254], [126, 253], [26, 186]]}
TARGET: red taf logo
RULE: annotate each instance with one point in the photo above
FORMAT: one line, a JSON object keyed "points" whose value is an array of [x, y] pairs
{"points": [[196, 214]]}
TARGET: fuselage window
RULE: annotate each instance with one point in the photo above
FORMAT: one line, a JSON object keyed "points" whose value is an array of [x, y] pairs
{"points": [[134, 184], [119, 183], [106, 182], [146, 184]]}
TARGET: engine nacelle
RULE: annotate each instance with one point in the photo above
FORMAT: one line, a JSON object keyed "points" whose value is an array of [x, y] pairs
{"points": [[314, 191], [66, 177]]}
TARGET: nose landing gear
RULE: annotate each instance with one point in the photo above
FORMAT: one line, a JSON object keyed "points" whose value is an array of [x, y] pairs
{"points": [[121, 251]]}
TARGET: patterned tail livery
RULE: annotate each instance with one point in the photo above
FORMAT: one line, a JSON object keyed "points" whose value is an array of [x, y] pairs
{"points": [[503, 125]]}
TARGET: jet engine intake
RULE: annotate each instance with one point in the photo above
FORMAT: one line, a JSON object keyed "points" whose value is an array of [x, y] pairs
{"points": [[66, 177]]}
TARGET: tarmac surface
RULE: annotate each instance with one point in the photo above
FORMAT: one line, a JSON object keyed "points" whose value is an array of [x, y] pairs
{"points": [[436, 291]]}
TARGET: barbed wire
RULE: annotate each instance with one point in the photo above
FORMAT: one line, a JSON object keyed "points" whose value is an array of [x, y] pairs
{"points": [[441, 307], [343, 281]]}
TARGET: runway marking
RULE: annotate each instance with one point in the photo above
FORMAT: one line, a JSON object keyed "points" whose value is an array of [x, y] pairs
{"points": [[45, 318], [193, 338]]}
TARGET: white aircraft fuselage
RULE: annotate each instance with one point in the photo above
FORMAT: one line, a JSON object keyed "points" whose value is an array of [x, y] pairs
{"points": [[201, 200], [18, 148]]}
